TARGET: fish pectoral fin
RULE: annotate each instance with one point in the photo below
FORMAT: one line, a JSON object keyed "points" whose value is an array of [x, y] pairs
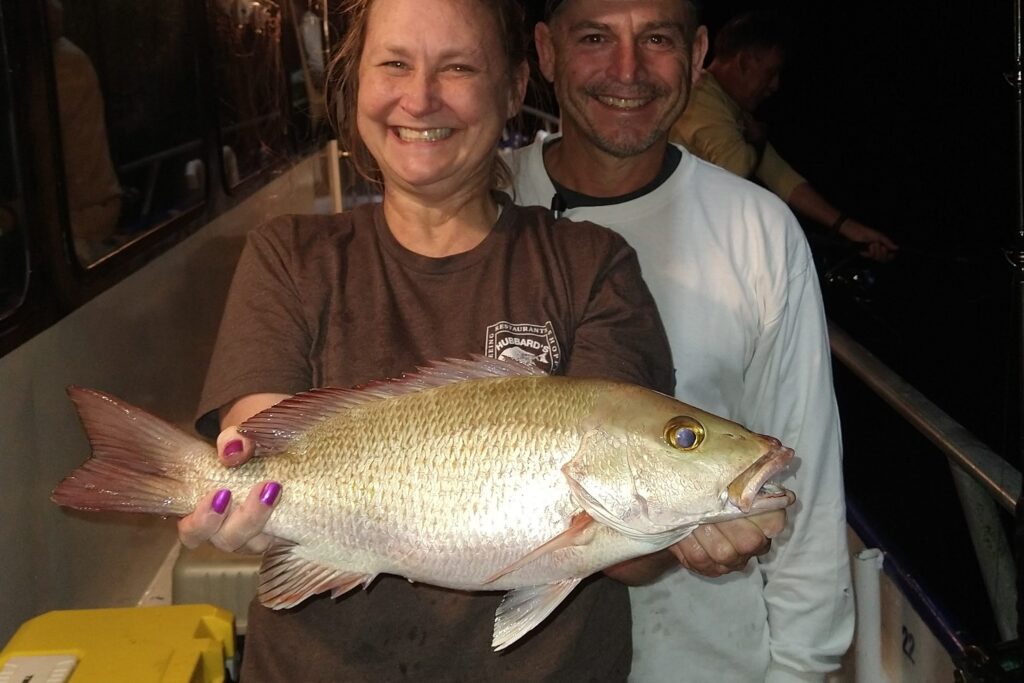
{"points": [[524, 608], [580, 532], [287, 578]]}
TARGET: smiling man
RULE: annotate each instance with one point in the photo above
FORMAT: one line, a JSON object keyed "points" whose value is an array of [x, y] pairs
{"points": [[732, 274]]}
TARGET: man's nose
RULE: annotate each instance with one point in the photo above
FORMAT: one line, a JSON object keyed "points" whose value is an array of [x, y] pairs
{"points": [[627, 64]]}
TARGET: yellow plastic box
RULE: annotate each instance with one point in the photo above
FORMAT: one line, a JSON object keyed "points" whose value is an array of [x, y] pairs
{"points": [[174, 644]]}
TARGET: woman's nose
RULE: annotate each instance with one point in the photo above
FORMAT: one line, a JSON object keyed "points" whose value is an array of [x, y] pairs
{"points": [[421, 95]]}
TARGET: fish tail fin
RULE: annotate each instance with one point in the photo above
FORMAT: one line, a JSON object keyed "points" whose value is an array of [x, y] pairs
{"points": [[139, 462]]}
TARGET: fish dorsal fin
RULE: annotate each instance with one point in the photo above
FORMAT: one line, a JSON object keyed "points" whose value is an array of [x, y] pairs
{"points": [[524, 608], [286, 578], [275, 428], [580, 532]]}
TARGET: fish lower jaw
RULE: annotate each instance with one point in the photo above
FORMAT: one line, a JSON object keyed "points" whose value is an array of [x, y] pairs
{"points": [[771, 496]]}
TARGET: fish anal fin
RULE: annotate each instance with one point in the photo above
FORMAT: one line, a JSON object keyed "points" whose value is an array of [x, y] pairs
{"points": [[523, 609], [580, 532], [287, 578]]}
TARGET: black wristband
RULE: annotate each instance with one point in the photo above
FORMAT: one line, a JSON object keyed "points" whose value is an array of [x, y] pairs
{"points": [[838, 223]]}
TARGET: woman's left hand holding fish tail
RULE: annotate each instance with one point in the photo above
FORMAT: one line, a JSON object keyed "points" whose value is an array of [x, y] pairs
{"points": [[234, 527]]}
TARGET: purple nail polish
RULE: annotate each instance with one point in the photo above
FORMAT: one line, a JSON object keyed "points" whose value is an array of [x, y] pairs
{"points": [[232, 447], [220, 501], [268, 496]]}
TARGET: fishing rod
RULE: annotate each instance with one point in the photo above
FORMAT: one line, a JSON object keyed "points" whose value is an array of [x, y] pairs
{"points": [[1015, 256]]}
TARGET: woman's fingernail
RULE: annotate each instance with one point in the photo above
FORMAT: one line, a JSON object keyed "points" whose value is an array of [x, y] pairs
{"points": [[270, 492], [221, 501], [232, 447]]}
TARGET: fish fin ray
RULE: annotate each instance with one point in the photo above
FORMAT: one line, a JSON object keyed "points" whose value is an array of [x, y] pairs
{"points": [[580, 532], [286, 578], [522, 609], [139, 462], [274, 429]]}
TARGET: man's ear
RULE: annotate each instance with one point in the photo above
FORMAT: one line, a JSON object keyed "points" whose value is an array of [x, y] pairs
{"points": [[698, 52], [545, 50]]}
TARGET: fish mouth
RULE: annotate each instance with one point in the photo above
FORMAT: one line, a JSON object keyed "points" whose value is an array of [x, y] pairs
{"points": [[751, 491]]}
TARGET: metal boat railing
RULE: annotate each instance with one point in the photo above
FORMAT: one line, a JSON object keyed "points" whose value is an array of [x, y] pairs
{"points": [[984, 480]]}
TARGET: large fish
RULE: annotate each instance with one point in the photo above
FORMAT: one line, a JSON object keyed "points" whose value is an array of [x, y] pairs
{"points": [[473, 475]]}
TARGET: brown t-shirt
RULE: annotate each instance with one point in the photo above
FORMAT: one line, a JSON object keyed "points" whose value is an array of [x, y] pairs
{"points": [[337, 301]]}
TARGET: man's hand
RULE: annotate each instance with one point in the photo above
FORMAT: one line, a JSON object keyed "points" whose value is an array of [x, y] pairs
{"points": [[717, 549], [711, 550], [878, 245]]}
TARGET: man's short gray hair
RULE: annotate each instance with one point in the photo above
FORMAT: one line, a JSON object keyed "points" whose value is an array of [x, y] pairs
{"points": [[551, 8]]}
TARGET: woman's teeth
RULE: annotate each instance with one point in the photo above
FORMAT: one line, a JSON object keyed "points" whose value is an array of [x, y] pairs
{"points": [[428, 135]]}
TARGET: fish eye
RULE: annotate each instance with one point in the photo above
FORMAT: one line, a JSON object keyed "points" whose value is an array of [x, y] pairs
{"points": [[684, 433]]}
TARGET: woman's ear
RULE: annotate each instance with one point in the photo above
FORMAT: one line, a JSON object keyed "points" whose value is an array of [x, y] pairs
{"points": [[517, 93]]}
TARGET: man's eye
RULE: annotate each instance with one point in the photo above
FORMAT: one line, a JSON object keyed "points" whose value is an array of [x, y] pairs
{"points": [[395, 64], [592, 39], [659, 40]]}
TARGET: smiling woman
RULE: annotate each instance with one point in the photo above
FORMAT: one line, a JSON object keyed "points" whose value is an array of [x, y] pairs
{"points": [[432, 100], [497, 68], [445, 267]]}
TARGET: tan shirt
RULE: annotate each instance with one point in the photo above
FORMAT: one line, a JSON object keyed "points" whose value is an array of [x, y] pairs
{"points": [[712, 127], [336, 300]]}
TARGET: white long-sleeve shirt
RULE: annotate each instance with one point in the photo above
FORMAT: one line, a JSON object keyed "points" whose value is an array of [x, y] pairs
{"points": [[732, 274]]}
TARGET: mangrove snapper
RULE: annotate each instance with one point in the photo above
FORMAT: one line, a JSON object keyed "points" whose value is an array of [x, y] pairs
{"points": [[472, 475]]}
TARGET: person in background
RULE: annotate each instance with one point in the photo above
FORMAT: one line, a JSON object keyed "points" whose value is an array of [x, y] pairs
{"points": [[719, 125], [93, 190], [731, 271], [445, 266]]}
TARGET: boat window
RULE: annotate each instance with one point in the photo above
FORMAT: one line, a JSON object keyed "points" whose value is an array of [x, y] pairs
{"points": [[130, 121], [13, 249], [250, 85], [304, 44]]}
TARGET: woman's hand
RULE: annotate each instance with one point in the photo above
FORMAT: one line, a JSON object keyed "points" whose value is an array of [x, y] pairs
{"points": [[219, 519]]}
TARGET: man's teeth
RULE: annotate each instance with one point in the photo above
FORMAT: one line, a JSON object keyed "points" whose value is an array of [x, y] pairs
{"points": [[428, 135], [623, 102]]}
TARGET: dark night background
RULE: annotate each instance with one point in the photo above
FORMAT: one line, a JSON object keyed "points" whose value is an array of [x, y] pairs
{"points": [[900, 115]]}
